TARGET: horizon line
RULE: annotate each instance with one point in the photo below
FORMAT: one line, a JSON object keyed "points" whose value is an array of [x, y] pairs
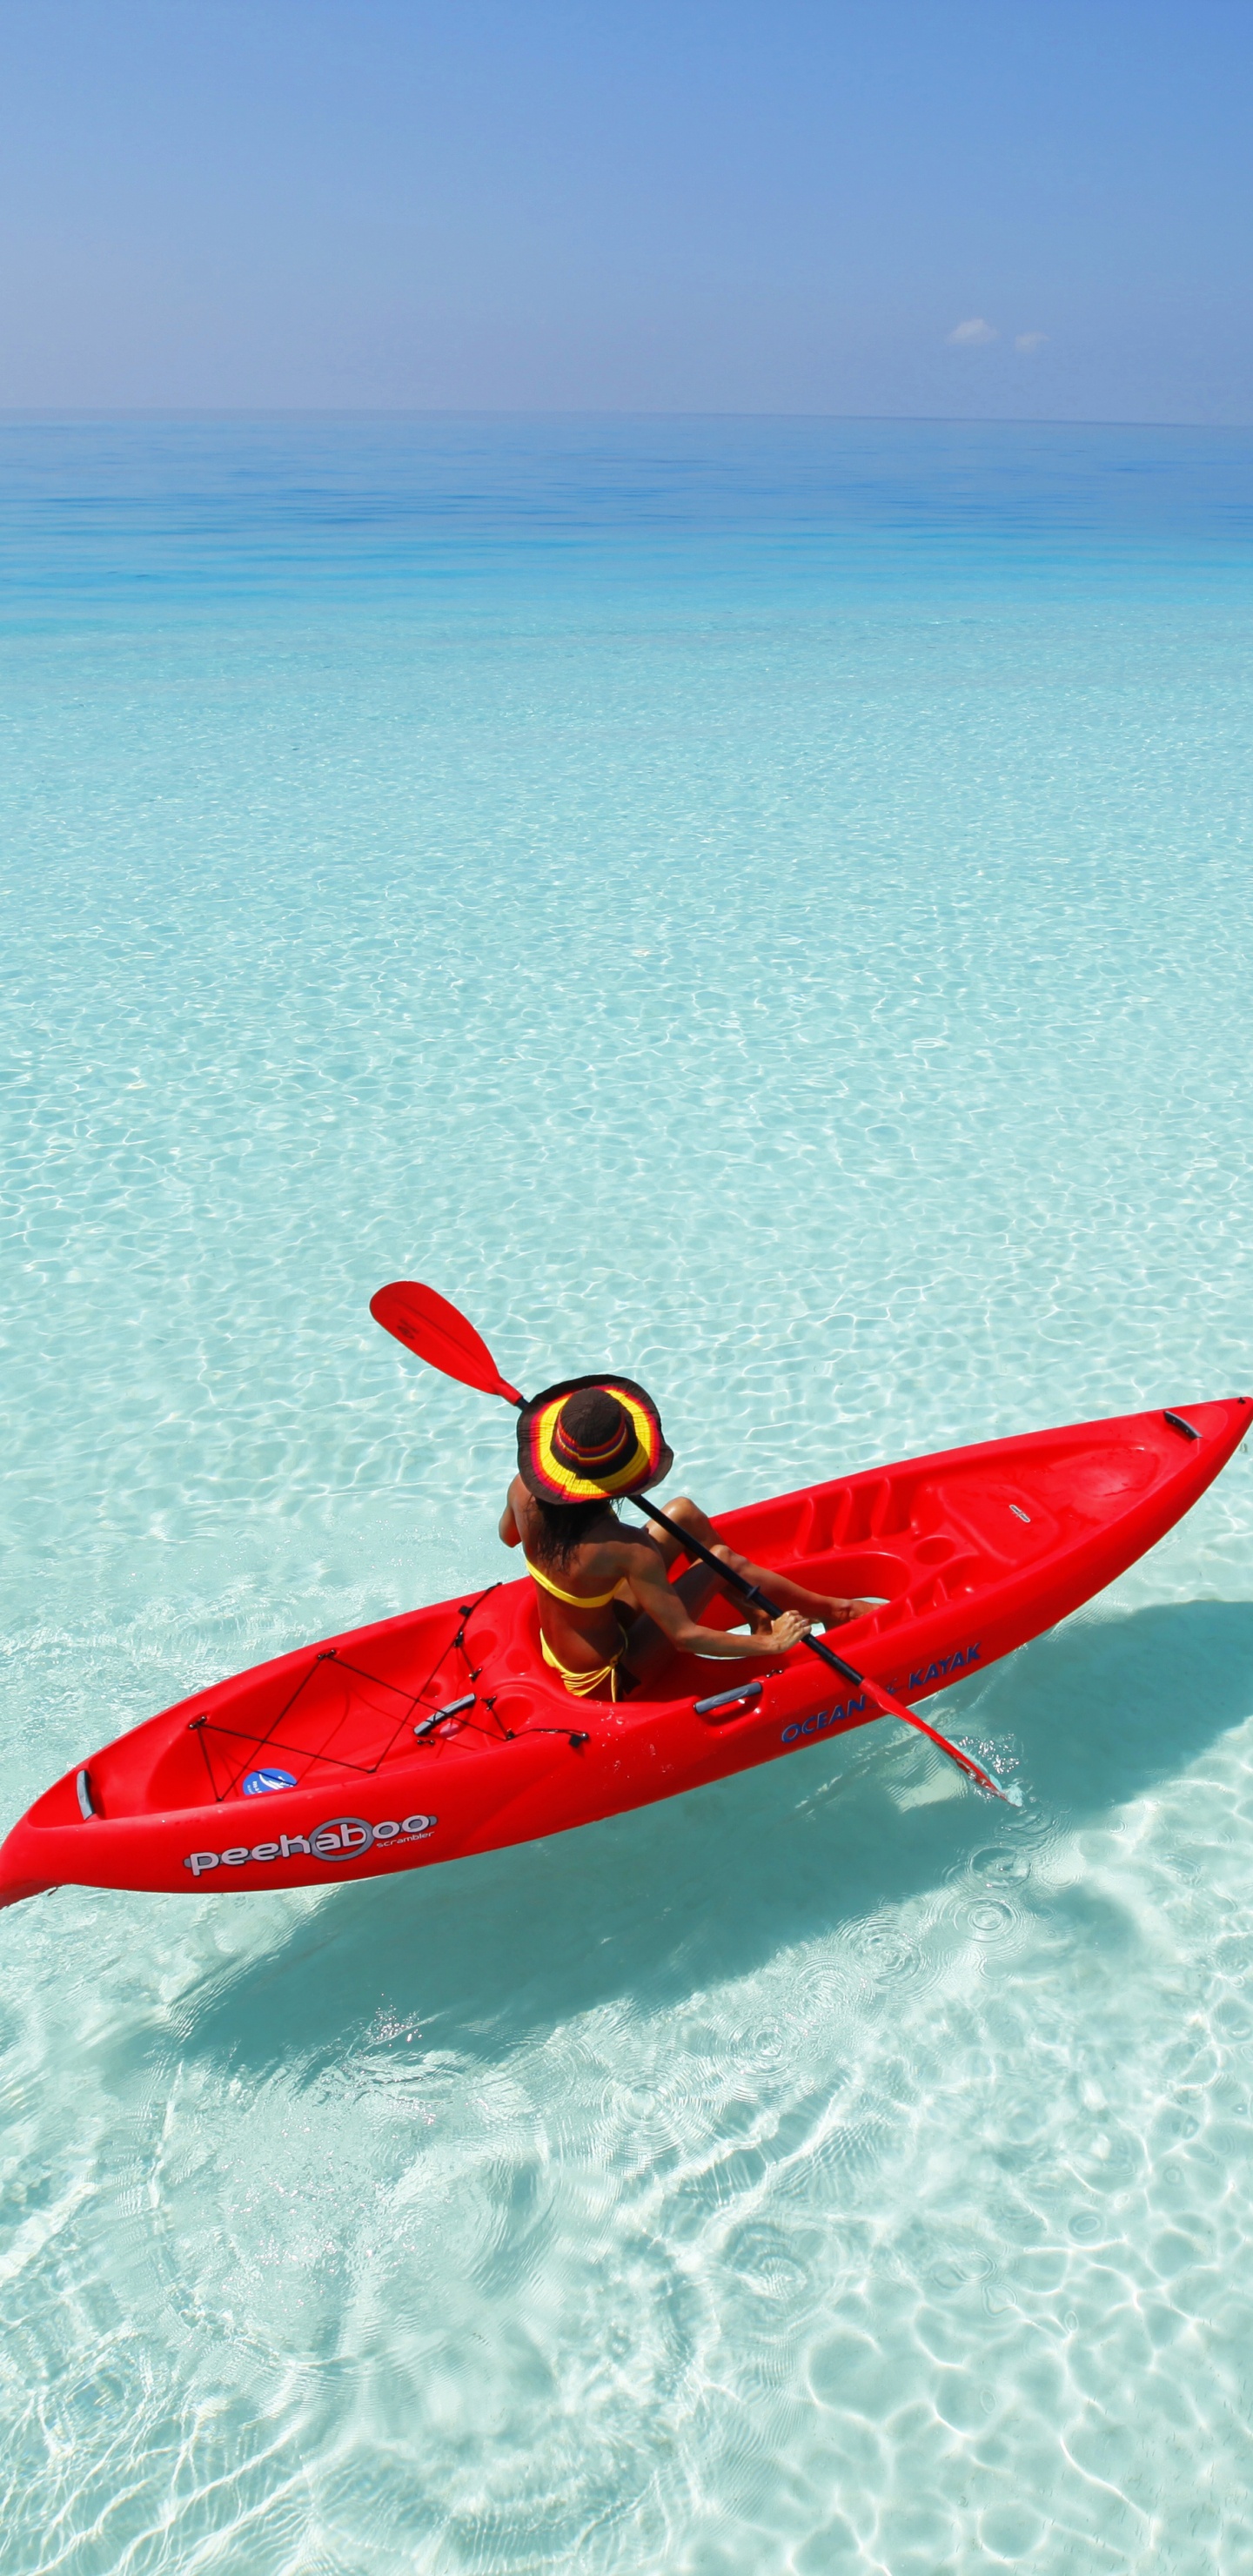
{"points": [[35, 413]]}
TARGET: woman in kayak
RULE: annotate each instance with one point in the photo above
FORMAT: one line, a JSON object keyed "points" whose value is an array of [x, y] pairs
{"points": [[603, 1587]]}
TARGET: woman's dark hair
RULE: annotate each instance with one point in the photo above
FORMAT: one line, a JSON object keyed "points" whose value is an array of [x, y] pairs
{"points": [[563, 1527]]}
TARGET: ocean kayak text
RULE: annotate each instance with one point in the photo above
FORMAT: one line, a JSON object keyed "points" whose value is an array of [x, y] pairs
{"points": [[846, 1708]]}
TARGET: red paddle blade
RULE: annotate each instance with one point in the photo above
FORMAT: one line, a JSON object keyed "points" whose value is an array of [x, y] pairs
{"points": [[1012, 1796], [426, 1324]]}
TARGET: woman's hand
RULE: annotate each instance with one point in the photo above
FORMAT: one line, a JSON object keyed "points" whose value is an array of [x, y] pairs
{"points": [[783, 1633]]}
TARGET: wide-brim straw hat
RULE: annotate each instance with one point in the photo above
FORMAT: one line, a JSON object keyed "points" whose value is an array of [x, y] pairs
{"points": [[558, 1470]]}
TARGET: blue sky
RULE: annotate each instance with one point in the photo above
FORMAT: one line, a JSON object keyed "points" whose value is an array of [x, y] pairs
{"points": [[794, 207]]}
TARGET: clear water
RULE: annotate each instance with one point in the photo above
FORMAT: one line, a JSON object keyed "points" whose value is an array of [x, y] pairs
{"points": [[766, 903]]}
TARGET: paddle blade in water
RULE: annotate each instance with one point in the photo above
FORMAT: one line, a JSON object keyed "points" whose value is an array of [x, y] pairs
{"points": [[427, 1325]]}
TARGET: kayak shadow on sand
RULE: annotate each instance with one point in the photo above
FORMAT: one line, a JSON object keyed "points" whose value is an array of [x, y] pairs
{"points": [[699, 1891]]}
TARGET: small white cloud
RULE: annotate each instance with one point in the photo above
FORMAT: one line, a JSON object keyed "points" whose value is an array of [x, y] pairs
{"points": [[1029, 340], [971, 335]]}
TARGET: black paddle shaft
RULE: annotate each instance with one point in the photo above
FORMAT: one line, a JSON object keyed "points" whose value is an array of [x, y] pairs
{"points": [[740, 1583]]}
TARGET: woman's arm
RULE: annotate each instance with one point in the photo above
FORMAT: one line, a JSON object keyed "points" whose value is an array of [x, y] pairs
{"points": [[508, 1525], [666, 1607]]}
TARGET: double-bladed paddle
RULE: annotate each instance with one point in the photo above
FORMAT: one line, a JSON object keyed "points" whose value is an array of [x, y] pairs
{"points": [[434, 1330]]}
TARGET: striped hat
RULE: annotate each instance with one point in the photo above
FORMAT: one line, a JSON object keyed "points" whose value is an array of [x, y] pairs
{"points": [[591, 1438]]}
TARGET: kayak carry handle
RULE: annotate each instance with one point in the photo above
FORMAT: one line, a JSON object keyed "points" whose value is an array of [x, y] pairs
{"points": [[451, 1708], [86, 1808], [739, 1697], [1177, 1423]]}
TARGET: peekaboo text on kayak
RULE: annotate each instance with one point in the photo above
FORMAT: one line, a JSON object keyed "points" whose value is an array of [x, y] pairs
{"points": [[342, 1838]]}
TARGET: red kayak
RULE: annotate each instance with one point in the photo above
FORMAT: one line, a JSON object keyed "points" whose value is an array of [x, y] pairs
{"points": [[441, 1733]]}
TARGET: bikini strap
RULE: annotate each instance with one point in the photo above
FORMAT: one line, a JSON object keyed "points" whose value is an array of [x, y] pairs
{"points": [[577, 1600]]}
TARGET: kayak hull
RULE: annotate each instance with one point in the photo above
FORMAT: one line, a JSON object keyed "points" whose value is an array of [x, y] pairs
{"points": [[440, 1733]]}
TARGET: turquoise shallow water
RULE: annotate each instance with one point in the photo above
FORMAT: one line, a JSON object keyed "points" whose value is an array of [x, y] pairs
{"points": [[766, 903]]}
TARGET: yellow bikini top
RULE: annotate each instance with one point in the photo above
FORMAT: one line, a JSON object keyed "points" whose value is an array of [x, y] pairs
{"points": [[577, 1600]]}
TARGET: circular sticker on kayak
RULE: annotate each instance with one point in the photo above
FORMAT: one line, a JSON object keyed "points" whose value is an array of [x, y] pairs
{"points": [[257, 1782]]}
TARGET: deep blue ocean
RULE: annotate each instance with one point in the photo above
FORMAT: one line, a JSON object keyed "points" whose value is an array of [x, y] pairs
{"points": [[766, 904]]}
